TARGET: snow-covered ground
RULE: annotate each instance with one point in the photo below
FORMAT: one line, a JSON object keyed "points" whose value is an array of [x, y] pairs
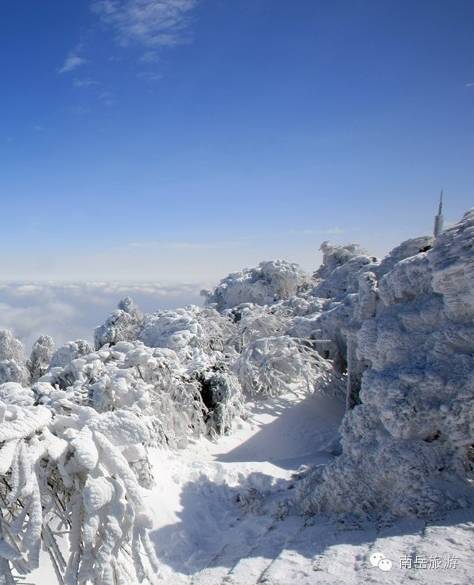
{"points": [[219, 519]]}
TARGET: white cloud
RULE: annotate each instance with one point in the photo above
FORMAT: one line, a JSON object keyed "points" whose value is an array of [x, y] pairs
{"points": [[68, 311], [149, 57], [149, 23], [85, 82], [107, 98], [470, 84], [149, 76], [73, 61]]}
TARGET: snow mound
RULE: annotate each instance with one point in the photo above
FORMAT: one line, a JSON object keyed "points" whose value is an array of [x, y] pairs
{"points": [[267, 283]]}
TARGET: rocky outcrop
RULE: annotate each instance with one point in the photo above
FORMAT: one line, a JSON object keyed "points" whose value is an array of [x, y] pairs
{"points": [[408, 445]]}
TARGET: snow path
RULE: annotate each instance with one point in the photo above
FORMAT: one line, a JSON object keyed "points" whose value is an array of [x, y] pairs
{"points": [[215, 504], [202, 534]]}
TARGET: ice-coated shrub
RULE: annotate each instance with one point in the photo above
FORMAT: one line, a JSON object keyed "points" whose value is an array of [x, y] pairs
{"points": [[218, 329], [40, 357], [70, 351], [123, 325], [221, 395], [157, 382], [186, 330], [338, 276], [11, 371], [335, 256], [271, 366], [76, 462], [21, 426], [66, 466], [256, 321], [177, 330], [128, 305], [14, 393], [176, 408], [268, 283], [196, 397], [10, 347], [12, 359]]}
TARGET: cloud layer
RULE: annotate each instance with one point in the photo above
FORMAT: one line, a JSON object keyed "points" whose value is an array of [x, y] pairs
{"points": [[72, 310], [149, 23]]}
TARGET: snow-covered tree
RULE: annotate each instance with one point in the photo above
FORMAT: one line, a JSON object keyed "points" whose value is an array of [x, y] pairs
{"points": [[271, 366], [40, 357], [123, 325], [69, 352], [62, 464], [267, 283], [12, 359]]}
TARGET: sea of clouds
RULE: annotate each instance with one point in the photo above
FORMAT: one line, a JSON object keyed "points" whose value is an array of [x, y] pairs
{"points": [[68, 311]]}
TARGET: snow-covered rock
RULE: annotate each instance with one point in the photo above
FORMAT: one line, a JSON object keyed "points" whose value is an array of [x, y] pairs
{"points": [[339, 273], [407, 447]]}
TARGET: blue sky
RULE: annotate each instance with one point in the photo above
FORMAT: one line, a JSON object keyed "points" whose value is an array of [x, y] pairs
{"points": [[179, 140]]}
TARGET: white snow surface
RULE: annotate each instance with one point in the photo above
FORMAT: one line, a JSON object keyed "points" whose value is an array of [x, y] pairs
{"points": [[204, 536], [218, 518]]}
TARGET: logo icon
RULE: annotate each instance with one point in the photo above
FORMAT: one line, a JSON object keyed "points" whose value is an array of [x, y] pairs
{"points": [[377, 559]]}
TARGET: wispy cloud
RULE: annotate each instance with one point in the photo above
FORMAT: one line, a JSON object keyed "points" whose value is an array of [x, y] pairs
{"points": [[72, 62], [147, 23], [470, 84], [107, 98], [149, 58], [149, 76], [85, 82]]}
